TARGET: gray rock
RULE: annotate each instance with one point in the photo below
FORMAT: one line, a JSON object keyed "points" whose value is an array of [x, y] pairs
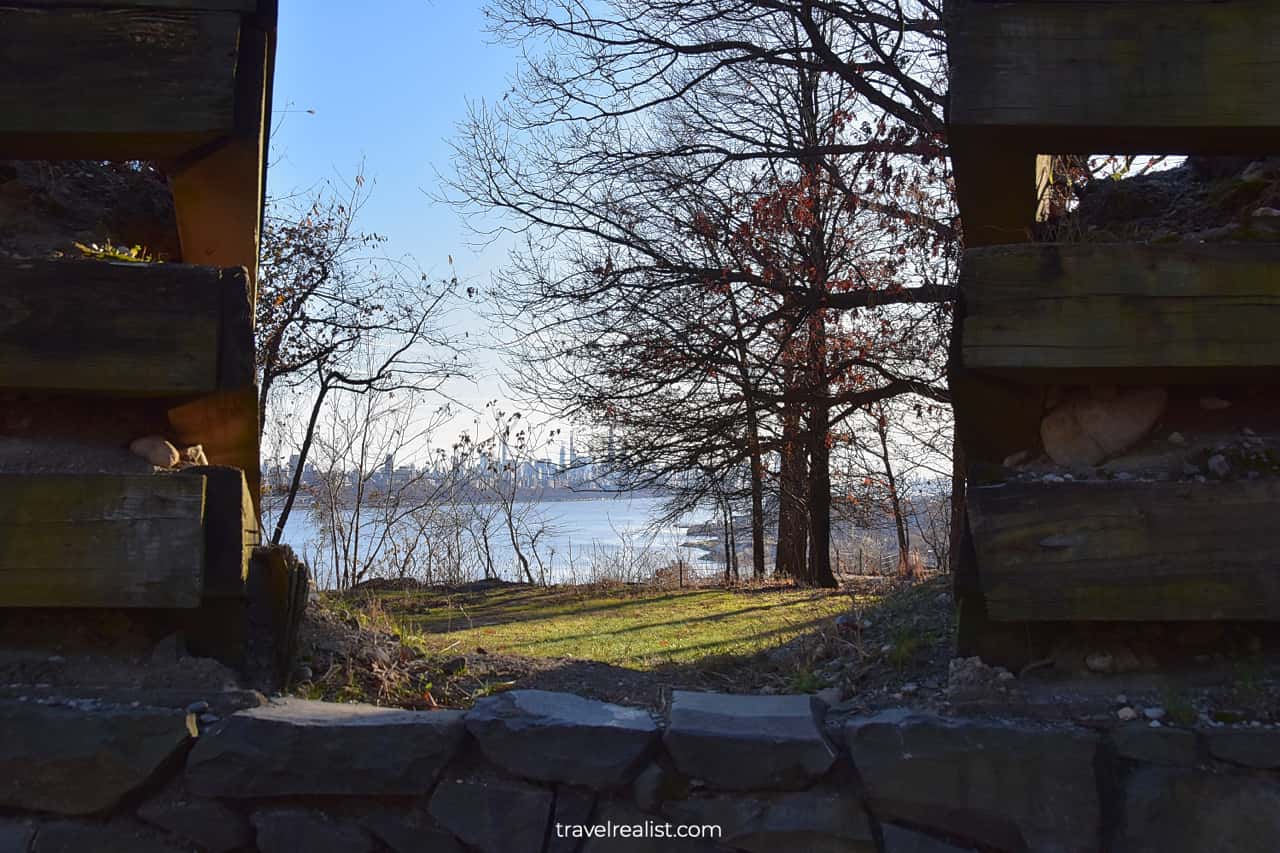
{"points": [[1184, 811], [301, 747], [643, 834], [60, 759], [116, 836], [748, 742], [1257, 172], [655, 785], [16, 835], [1005, 785], [573, 807], [1167, 746], [899, 839], [818, 821], [296, 830], [493, 815], [1219, 466], [208, 824], [169, 650], [1091, 426], [409, 830], [558, 737], [1249, 747]]}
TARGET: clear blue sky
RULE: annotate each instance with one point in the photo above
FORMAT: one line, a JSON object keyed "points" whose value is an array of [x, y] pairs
{"points": [[388, 80]]}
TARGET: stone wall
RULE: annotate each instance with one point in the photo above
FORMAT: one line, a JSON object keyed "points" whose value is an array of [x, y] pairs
{"points": [[514, 773]]}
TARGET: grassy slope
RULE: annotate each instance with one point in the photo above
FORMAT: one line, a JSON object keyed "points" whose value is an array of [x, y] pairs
{"points": [[640, 630]]}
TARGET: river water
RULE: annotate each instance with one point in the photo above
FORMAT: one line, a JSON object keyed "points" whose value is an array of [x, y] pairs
{"points": [[583, 540]]}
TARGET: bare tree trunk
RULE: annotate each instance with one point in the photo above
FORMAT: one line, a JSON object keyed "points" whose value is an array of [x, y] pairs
{"points": [[302, 461], [820, 494], [900, 523], [753, 447], [726, 532], [819, 431], [757, 505], [793, 476]]}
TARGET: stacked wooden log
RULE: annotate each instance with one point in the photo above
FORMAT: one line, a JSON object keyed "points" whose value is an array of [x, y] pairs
{"points": [[1040, 320], [104, 352]]}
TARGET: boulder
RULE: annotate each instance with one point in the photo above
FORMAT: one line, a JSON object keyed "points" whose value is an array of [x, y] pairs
{"points": [[573, 808], [408, 830], [1170, 810], [1165, 745], [156, 450], [558, 737], [493, 815], [620, 828], [16, 835], [1248, 747], [899, 839], [77, 760], [1089, 427], [211, 826], [297, 830], [116, 836], [656, 784], [748, 742], [820, 820], [298, 747], [1000, 784]]}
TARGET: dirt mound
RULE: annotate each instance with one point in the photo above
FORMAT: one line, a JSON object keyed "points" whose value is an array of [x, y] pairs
{"points": [[48, 206], [1203, 199]]}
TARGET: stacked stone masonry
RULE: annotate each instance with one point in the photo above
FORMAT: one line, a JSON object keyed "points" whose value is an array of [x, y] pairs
{"points": [[517, 771]]}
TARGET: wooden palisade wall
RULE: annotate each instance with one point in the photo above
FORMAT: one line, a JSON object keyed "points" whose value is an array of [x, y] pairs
{"points": [[1079, 77], [157, 348]]}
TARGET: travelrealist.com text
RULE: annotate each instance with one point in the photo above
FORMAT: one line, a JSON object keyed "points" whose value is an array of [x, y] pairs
{"points": [[647, 829]]}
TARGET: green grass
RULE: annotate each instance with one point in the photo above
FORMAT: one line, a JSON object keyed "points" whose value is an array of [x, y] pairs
{"points": [[637, 629]]}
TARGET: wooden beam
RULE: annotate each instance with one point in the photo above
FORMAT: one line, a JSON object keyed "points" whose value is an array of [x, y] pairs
{"points": [[245, 6], [1140, 551], [1119, 306], [218, 196], [1001, 190], [231, 529], [101, 540], [226, 425], [113, 328], [1125, 76], [76, 78]]}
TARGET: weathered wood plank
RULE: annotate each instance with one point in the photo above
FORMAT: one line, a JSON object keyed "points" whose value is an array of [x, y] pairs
{"points": [[226, 424], [182, 5], [1140, 551], [123, 328], [101, 540], [1124, 306], [218, 197], [1120, 76], [75, 78], [1001, 190], [231, 529]]}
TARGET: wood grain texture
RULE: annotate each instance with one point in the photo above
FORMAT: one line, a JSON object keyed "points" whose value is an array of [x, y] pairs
{"points": [[122, 328], [245, 6], [226, 424], [101, 540], [94, 74], [1118, 76], [218, 197], [1128, 550], [231, 529], [1122, 306], [1001, 191]]}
